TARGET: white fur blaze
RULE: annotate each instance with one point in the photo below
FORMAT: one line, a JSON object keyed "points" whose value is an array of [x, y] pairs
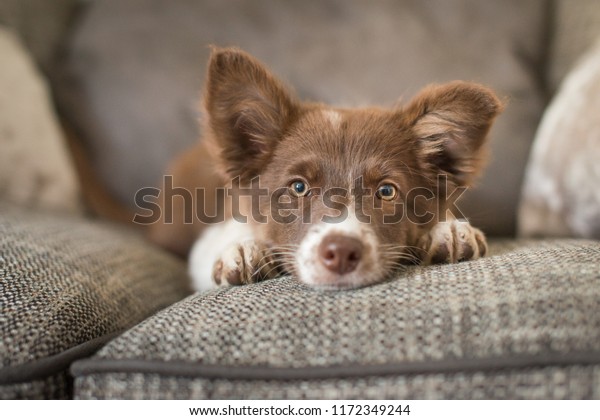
{"points": [[334, 118], [310, 269]]}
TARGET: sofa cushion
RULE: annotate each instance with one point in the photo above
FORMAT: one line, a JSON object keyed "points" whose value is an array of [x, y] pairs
{"points": [[132, 77], [41, 24], [35, 166], [66, 287], [575, 28], [522, 323], [560, 194]]}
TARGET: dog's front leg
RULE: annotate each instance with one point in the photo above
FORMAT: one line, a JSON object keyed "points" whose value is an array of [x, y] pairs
{"points": [[452, 241], [228, 253]]}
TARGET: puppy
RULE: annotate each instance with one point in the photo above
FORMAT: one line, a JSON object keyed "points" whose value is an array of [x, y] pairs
{"points": [[340, 198]]}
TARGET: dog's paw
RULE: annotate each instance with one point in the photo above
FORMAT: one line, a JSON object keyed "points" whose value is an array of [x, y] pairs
{"points": [[244, 263], [452, 241]]}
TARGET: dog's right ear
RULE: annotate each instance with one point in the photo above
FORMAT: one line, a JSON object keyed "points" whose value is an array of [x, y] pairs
{"points": [[248, 111]]}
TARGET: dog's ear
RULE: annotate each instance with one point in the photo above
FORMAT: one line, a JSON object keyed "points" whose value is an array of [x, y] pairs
{"points": [[248, 111], [450, 124]]}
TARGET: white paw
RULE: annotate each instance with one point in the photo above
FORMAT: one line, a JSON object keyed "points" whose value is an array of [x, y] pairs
{"points": [[210, 246], [244, 263], [451, 242]]}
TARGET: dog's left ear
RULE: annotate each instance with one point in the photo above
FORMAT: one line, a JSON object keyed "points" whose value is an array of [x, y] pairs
{"points": [[450, 124]]}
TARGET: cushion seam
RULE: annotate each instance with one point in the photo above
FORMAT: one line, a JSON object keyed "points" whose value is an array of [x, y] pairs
{"points": [[52, 365], [196, 370]]}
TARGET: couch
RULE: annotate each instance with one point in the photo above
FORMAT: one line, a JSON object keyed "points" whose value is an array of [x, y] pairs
{"points": [[90, 309]]}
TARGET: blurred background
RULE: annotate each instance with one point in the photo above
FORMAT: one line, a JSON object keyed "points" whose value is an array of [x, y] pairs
{"points": [[97, 96]]}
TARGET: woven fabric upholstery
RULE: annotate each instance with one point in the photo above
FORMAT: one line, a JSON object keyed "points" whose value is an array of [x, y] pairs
{"points": [[64, 282], [522, 323], [577, 382], [58, 386]]}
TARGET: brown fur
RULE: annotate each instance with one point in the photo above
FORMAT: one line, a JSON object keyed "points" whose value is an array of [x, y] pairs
{"points": [[256, 126]]}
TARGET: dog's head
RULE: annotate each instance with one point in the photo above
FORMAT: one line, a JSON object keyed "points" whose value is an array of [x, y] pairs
{"points": [[348, 190]]}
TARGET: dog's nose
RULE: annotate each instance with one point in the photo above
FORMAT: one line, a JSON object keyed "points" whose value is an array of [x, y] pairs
{"points": [[340, 254]]}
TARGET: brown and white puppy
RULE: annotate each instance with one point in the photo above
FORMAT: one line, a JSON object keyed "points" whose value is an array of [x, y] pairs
{"points": [[349, 195]]}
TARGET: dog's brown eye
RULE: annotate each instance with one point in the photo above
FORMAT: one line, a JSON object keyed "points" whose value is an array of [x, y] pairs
{"points": [[386, 192], [299, 188]]}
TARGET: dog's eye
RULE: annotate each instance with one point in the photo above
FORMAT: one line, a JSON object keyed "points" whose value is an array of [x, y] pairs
{"points": [[299, 188], [386, 192]]}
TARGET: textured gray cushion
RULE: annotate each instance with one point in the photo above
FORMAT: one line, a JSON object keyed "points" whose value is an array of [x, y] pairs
{"points": [[66, 286], [522, 323], [134, 72]]}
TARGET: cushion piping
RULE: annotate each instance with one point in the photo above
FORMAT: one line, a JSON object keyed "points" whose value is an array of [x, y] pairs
{"points": [[54, 364], [196, 370]]}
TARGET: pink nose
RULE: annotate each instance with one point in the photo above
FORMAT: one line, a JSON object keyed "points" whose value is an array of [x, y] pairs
{"points": [[340, 254]]}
